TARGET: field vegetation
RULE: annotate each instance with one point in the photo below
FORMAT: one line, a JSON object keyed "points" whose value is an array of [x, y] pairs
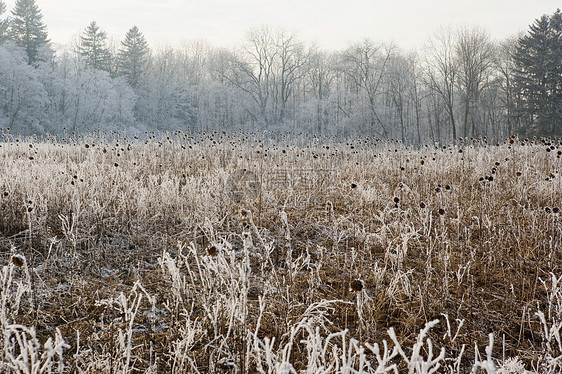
{"points": [[253, 253]]}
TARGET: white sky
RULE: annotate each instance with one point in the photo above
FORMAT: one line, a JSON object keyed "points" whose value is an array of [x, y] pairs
{"points": [[332, 24]]}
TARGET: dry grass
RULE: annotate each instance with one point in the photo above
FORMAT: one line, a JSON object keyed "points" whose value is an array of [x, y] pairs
{"points": [[148, 257]]}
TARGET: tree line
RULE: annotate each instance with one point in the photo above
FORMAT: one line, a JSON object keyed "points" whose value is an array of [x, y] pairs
{"points": [[460, 84]]}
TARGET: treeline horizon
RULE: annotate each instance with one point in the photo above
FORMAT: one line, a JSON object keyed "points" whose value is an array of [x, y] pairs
{"points": [[462, 85]]}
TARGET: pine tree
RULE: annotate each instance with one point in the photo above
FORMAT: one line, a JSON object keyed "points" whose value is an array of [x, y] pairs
{"points": [[93, 47], [133, 56], [3, 24], [556, 71], [538, 76], [28, 30]]}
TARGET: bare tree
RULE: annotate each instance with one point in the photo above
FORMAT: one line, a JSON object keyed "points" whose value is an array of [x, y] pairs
{"points": [[441, 71], [475, 60], [505, 67], [268, 69], [365, 65], [290, 69], [415, 93], [400, 79], [319, 86]]}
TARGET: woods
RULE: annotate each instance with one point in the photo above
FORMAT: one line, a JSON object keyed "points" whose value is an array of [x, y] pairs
{"points": [[461, 83]]}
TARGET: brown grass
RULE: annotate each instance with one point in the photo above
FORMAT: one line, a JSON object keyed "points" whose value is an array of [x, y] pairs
{"points": [[467, 231]]}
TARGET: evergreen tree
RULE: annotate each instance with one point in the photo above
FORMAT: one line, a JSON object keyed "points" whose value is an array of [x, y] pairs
{"points": [[3, 24], [28, 30], [133, 56], [538, 76], [93, 47]]}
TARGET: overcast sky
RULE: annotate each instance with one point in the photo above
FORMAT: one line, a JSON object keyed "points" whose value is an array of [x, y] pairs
{"points": [[332, 24]]}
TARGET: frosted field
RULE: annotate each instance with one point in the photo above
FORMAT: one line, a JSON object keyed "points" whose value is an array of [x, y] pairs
{"points": [[236, 253]]}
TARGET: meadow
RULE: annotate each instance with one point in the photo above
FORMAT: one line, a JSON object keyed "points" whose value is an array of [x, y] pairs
{"points": [[253, 253]]}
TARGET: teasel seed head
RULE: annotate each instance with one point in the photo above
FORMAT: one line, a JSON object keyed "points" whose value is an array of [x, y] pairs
{"points": [[357, 285], [18, 260], [212, 251]]}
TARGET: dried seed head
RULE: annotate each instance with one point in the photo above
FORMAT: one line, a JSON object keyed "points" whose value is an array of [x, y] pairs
{"points": [[356, 285], [212, 251], [18, 260]]}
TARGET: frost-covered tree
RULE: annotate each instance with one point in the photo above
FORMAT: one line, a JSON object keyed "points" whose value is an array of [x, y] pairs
{"points": [[3, 23], [165, 95], [365, 67], [28, 30], [93, 47], [86, 99], [316, 113], [538, 76], [22, 95], [133, 56]]}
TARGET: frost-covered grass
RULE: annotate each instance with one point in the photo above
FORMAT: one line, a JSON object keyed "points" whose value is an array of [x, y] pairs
{"points": [[127, 256]]}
